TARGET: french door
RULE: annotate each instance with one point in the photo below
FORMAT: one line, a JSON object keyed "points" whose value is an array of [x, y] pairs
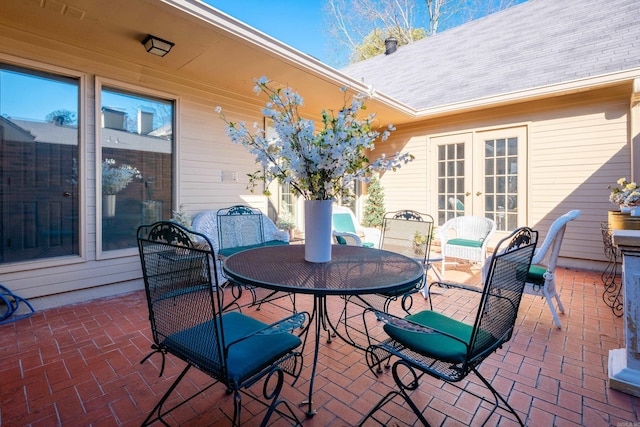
{"points": [[483, 174]]}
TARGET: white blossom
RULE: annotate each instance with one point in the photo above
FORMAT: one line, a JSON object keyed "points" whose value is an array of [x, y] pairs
{"points": [[320, 164]]}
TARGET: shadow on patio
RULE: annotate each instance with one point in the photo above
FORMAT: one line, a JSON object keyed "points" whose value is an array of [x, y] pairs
{"points": [[78, 365]]}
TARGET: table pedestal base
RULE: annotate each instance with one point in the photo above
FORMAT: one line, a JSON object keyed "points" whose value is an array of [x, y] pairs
{"points": [[621, 377]]}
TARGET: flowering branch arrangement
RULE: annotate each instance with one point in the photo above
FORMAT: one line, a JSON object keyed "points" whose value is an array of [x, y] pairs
{"points": [[320, 164], [116, 179], [627, 194]]}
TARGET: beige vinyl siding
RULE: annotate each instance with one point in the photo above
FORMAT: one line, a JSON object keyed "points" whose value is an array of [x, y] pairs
{"points": [[578, 145], [410, 181], [576, 152]]}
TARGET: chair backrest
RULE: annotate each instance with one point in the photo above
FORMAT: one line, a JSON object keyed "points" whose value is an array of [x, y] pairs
{"points": [[239, 226], [502, 293], [456, 205], [185, 303], [469, 227], [343, 222], [407, 232], [547, 253]]}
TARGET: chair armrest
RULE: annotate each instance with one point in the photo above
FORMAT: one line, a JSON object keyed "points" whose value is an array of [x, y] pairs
{"points": [[288, 324], [443, 232], [281, 235], [371, 235], [450, 285], [350, 238]]}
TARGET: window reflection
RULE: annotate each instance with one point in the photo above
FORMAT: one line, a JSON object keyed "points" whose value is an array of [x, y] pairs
{"points": [[39, 174], [137, 164]]}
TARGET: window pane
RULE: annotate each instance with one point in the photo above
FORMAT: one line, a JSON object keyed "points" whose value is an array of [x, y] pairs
{"points": [[39, 143], [137, 164]]}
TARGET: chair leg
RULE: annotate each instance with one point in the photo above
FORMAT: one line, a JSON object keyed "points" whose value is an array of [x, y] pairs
{"points": [[498, 398], [402, 392], [275, 401], [158, 408], [550, 293], [430, 267]]}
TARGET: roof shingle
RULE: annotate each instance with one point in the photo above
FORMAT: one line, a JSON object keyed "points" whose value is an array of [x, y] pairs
{"points": [[531, 45]]}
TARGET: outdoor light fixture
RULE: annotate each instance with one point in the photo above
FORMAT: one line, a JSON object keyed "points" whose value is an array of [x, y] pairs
{"points": [[156, 45]]}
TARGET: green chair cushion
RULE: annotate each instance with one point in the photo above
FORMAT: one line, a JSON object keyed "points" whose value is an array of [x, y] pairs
{"points": [[230, 251], [342, 241], [465, 242], [199, 346], [434, 345], [275, 243], [343, 222], [536, 275]]}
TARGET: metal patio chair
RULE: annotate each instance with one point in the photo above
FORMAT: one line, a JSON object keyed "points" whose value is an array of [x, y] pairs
{"points": [[241, 228], [429, 342], [190, 322], [406, 232]]}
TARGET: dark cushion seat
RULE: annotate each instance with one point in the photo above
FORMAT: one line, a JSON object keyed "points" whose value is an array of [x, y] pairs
{"points": [[435, 345], [197, 344]]}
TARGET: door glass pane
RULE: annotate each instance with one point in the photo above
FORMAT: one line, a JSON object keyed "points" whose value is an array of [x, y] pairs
{"points": [[137, 164], [450, 181], [501, 199], [39, 170]]}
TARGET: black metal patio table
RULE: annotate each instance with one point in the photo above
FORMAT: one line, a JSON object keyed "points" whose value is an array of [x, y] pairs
{"points": [[352, 270]]}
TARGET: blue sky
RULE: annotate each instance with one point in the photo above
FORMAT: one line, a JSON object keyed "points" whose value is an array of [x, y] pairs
{"points": [[298, 23]]}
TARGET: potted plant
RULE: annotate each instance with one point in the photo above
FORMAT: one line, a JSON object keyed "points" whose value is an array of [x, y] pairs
{"points": [[627, 196], [285, 222], [320, 164]]}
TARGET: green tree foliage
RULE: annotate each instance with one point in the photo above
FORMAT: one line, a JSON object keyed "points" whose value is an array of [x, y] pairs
{"points": [[61, 117], [374, 206]]}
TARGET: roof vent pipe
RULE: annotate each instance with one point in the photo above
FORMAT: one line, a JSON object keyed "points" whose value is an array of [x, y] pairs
{"points": [[390, 45]]}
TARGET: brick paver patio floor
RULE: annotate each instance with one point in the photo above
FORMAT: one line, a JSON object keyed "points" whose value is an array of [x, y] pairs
{"points": [[79, 365]]}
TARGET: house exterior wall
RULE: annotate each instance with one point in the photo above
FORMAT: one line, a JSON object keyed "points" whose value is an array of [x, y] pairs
{"points": [[205, 162], [577, 146]]}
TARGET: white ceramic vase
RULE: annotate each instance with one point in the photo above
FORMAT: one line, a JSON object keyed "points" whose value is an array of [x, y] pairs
{"points": [[317, 230], [108, 205]]}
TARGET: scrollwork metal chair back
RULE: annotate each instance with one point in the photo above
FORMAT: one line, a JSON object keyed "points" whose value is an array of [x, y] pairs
{"points": [[449, 349], [189, 321], [239, 227]]}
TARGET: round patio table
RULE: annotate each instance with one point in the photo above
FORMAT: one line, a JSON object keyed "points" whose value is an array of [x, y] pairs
{"points": [[353, 270]]}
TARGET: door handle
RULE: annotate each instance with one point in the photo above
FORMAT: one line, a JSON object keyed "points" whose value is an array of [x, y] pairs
{"points": [[478, 193], [66, 194], [467, 194]]}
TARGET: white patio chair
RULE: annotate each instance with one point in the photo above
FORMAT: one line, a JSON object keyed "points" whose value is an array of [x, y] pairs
{"points": [[544, 262], [465, 237], [347, 231]]}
